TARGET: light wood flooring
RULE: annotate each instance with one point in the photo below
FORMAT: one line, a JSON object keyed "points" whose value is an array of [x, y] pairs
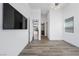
{"points": [[47, 47]]}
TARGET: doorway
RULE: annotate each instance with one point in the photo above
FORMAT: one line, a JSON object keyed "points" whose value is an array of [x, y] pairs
{"points": [[43, 29], [44, 32]]}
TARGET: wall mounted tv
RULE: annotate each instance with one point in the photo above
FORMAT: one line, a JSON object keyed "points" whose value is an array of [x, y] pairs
{"points": [[12, 19]]}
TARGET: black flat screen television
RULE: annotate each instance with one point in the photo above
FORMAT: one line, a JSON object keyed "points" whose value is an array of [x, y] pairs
{"points": [[12, 19]]}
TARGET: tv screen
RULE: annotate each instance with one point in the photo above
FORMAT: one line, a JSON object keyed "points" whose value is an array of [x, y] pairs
{"points": [[12, 19]]}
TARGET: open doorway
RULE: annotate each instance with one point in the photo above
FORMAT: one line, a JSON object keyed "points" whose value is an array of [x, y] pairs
{"points": [[44, 31]]}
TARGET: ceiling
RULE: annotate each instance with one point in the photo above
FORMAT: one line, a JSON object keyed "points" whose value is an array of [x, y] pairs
{"points": [[43, 6]]}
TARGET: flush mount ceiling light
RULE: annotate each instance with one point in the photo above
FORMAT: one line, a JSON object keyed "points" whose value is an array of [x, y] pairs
{"points": [[52, 5], [60, 5], [56, 5]]}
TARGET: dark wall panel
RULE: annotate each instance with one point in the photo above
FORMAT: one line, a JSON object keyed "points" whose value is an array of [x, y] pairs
{"points": [[8, 17], [18, 20], [12, 19]]}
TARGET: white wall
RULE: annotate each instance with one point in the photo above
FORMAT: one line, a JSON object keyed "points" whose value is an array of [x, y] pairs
{"points": [[36, 14], [48, 29], [43, 18], [55, 22], [69, 11], [13, 41], [31, 28]]}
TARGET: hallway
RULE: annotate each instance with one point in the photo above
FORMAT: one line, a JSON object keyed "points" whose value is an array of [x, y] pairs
{"points": [[46, 47]]}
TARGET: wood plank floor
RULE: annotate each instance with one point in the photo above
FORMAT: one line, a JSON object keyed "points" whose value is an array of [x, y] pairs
{"points": [[46, 47]]}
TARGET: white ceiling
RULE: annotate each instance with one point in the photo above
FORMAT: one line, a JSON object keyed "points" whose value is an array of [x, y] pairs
{"points": [[43, 6]]}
